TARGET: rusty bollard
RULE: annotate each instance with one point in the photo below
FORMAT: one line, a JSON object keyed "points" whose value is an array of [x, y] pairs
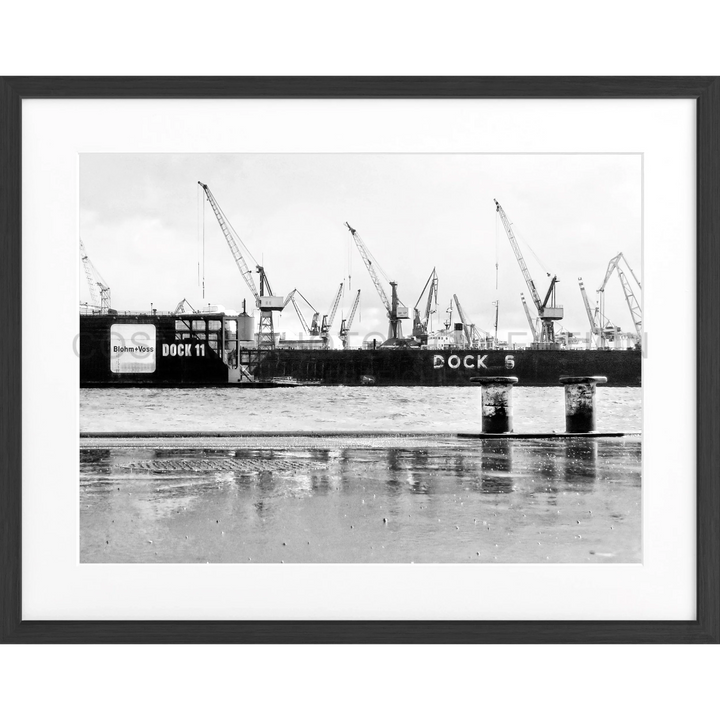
{"points": [[496, 403], [580, 402]]}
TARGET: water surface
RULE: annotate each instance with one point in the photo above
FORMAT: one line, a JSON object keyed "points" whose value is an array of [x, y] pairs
{"points": [[372, 500], [322, 408]]}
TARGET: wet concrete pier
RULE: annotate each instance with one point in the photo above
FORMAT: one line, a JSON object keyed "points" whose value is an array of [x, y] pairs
{"points": [[371, 498]]}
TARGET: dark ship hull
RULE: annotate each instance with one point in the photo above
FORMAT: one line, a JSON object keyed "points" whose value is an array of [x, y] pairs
{"points": [[207, 351]]}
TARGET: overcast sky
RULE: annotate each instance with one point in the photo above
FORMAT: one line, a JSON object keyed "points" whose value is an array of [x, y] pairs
{"points": [[141, 219]]}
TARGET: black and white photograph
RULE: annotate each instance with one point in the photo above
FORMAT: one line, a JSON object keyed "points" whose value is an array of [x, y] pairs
{"points": [[360, 358]]}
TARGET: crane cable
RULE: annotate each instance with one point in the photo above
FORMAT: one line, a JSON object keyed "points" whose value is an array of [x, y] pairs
{"points": [[235, 234], [201, 241], [349, 260], [497, 247], [377, 265], [526, 244], [200, 208], [532, 252]]}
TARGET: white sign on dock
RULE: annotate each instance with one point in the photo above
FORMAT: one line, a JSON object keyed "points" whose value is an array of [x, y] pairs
{"points": [[132, 348]]}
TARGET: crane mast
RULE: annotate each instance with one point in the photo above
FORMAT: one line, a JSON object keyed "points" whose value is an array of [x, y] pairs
{"points": [[264, 298], [327, 323], [547, 313], [395, 312], [347, 324]]}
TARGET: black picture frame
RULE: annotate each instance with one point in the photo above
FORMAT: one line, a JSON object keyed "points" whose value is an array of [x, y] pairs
{"points": [[706, 93]]}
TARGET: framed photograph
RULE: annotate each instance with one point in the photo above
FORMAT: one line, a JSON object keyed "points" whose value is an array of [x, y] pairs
{"points": [[360, 360]]}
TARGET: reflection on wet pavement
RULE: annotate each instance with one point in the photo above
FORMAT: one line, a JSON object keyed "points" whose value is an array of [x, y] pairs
{"points": [[422, 500]]}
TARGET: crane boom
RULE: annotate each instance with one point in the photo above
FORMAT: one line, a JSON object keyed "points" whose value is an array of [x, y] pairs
{"points": [[464, 320], [180, 307], [591, 318], [290, 296], [313, 329], [264, 298], [421, 324], [432, 281], [300, 315], [95, 282], [352, 312], [633, 304], [519, 256], [89, 274], [327, 322], [432, 296], [334, 308], [533, 329], [234, 249], [347, 324], [546, 313], [615, 263], [395, 312], [473, 334], [630, 299], [371, 269]]}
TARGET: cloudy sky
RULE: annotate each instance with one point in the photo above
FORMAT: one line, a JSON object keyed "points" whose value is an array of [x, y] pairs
{"points": [[143, 218]]}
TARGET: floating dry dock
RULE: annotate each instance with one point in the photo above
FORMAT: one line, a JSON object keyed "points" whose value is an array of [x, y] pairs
{"points": [[209, 350]]}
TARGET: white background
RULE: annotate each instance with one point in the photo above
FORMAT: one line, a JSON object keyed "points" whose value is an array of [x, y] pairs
{"points": [[56, 587]]}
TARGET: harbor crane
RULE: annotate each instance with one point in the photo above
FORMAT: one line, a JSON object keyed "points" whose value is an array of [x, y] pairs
{"points": [[182, 306], [314, 329], [547, 310], [632, 302], [396, 312], [345, 325], [265, 301], [474, 336], [600, 327], [99, 291], [421, 324], [327, 322], [595, 329]]}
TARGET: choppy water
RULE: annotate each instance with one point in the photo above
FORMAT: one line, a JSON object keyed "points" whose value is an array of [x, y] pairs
{"points": [[387, 409]]}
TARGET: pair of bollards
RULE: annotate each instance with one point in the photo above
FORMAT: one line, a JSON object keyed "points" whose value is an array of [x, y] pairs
{"points": [[579, 403]]}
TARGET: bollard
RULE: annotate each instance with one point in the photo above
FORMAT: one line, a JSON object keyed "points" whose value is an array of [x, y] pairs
{"points": [[496, 403], [580, 402]]}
